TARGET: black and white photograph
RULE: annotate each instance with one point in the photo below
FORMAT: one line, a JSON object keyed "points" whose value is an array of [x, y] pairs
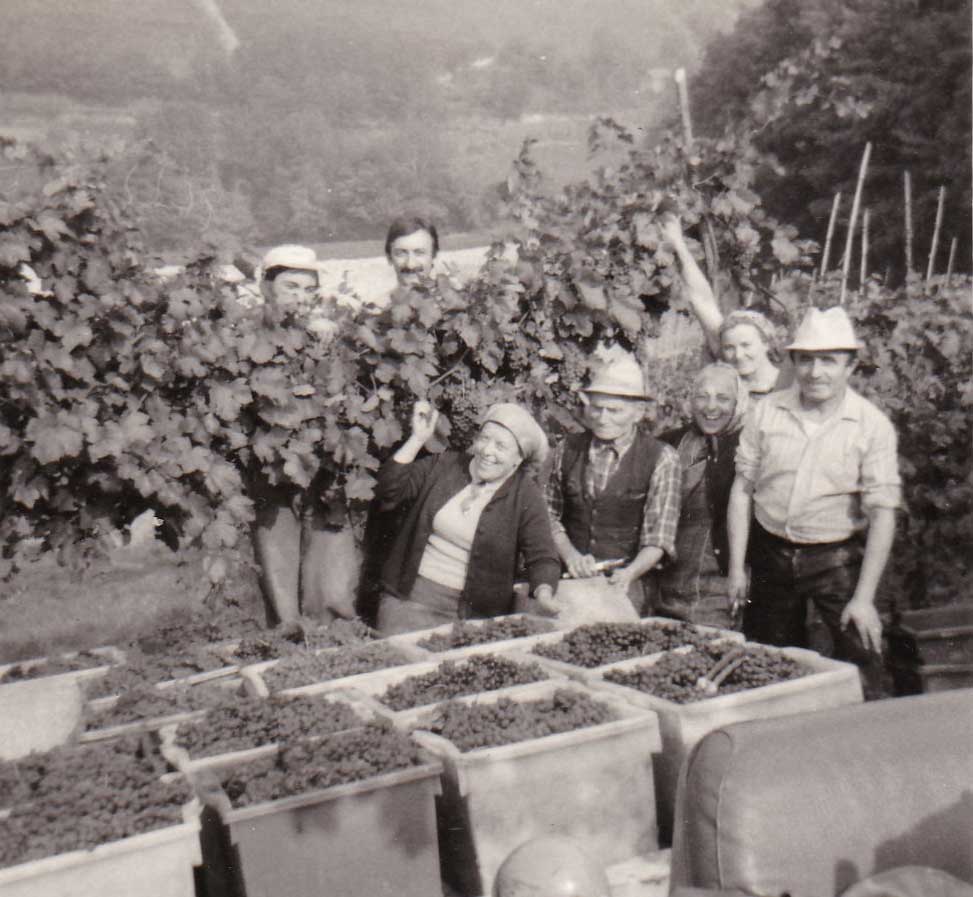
{"points": [[513, 449]]}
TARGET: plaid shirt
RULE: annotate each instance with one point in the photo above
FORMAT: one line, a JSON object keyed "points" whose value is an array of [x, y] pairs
{"points": [[660, 519]]}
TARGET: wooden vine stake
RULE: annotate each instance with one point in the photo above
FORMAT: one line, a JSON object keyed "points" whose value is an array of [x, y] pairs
{"points": [[931, 267], [826, 255], [687, 123], [863, 274], [952, 260], [855, 205], [907, 189]]}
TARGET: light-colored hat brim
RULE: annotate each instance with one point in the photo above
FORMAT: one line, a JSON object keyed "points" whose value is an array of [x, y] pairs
{"points": [[618, 393]]}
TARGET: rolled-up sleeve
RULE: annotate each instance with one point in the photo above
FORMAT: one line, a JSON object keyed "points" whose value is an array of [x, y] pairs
{"points": [[880, 480], [660, 519], [748, 450]]}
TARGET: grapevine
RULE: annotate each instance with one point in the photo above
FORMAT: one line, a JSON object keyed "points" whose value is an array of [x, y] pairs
{"points": [[304, 669], [599, 643], [463, 633], [472, 726], [485, 672], [372, 750], [674, 675]]}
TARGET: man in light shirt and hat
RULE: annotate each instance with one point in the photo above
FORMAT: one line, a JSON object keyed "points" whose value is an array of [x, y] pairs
{"points": [[614, 490], [815, 494]]}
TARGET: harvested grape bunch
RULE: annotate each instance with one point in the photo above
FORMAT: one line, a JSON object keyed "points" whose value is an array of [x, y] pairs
{"points": [[462, 634], [363, 753], [486, 672], [338, 634], [600, 643], [79, 797], [250, 722], [303, 669], [472, 726], [151, 703], [95, 811], [85, 660], [674, 675], [143, 670]]}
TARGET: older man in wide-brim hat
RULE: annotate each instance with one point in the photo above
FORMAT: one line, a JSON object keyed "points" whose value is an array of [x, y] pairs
{"points": [[816, 489], [614, 490]]}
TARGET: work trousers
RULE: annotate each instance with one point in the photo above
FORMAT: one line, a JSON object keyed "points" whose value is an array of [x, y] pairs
{"points": [[788, 578]]}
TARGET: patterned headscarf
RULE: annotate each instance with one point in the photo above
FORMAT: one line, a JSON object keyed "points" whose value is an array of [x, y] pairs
{"points": [[763, 325]]}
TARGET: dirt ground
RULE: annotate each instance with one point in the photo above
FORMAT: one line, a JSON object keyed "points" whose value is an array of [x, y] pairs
{"points": [[130, 592]]}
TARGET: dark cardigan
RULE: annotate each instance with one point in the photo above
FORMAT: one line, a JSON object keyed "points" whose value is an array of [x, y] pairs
{"points": [[719, 475], [513, 522]]}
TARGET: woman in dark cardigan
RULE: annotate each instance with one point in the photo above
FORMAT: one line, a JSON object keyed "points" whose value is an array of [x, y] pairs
{"points": [[694, 588], [466, 519]]}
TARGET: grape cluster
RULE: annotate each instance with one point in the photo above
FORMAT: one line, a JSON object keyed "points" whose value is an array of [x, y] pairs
{"points": [[674, 675], [250, 722], [338, 634], [472, 726], [80, 797], [600, 643], [85, 660], [303, 669], [351, 756], [451, 679], [463, 634], [142, 670], [151, 703]]}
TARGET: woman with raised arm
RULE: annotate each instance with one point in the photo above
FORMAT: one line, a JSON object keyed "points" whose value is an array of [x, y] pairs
{"points": [[466, 519], [744, 339], [695, 588]]}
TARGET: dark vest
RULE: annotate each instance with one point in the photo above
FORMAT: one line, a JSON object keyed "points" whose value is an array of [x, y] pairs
{"points": [[719, 475], [609, 525]]}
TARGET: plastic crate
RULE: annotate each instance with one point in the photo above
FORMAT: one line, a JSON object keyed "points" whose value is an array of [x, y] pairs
{"points": [[43, 713], [583, 674], [936, 635], [830, 683], [523, 642], [594, 784], [154, 864], [181, 759], [369, 687], [255, 683], [376, 837]]}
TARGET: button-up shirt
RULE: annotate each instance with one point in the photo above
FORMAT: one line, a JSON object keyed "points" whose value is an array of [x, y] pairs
{"points": [[660, 519], [818, 483]]}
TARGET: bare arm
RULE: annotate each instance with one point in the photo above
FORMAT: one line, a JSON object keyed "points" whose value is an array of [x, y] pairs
{"points": [[738, 512], [861, 609], [699, 293]]}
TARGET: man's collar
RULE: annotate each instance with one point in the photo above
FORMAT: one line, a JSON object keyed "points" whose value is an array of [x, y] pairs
{"points": [[790, 400], [620, 445]]}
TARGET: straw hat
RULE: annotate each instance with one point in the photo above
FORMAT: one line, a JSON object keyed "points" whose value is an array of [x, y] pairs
{"points": [[621, 376], [825, 331], [292, 257]]}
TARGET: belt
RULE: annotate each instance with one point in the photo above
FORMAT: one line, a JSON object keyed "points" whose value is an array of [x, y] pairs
{"points": [[775, 541]]}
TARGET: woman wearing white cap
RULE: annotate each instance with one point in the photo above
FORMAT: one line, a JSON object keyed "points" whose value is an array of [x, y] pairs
{"points": [[466, 518]]}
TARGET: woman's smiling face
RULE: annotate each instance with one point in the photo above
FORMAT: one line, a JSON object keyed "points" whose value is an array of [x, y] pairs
{"points": [[714, 401], [496, 453], [744, 348]]}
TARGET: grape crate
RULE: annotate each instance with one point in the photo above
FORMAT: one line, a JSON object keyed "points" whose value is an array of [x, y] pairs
{"points": [[597, 644], [453, 679], [305, 669], [673, 676], [463, 633]]}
